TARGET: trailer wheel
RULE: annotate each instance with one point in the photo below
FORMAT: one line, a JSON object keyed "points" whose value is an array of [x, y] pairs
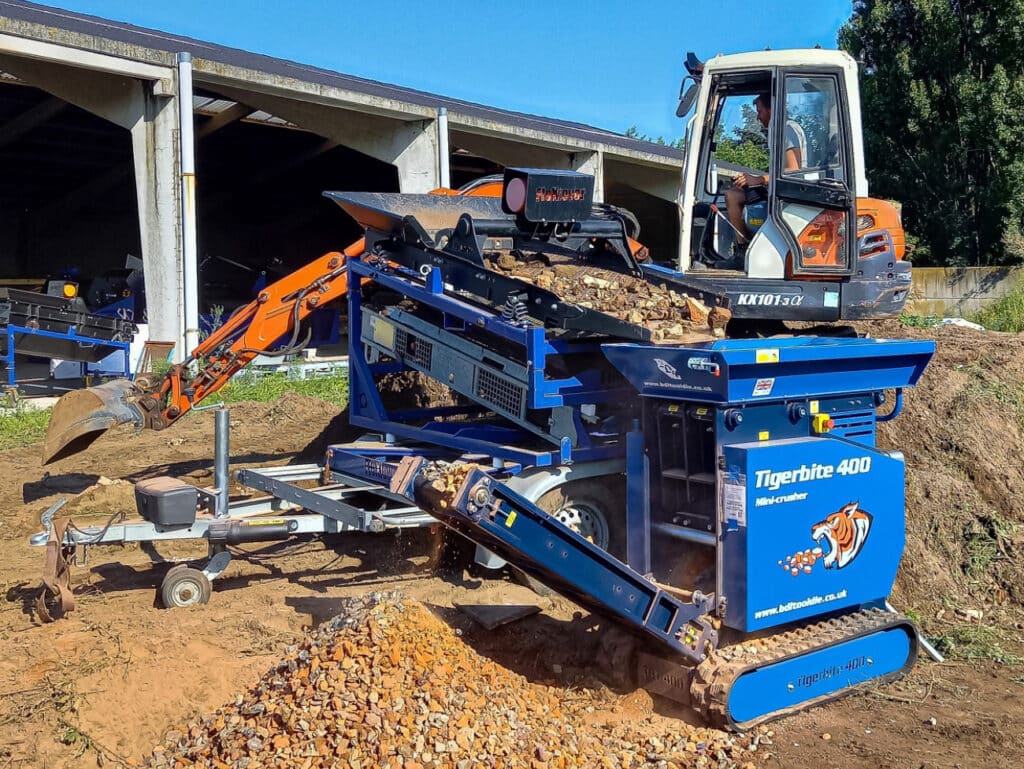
{"points": [[593, 508], [184, 586]]}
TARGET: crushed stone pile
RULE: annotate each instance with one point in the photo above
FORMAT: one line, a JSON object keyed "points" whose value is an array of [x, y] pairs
{"points": [[386, 684], [672, 316]]}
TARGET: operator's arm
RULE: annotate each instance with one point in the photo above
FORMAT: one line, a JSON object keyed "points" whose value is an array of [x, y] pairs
{"points": [[793, 161], [750, 180]]}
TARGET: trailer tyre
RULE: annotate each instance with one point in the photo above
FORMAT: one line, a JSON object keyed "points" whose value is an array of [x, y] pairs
{"points": [[184, 586], [593, 508]]}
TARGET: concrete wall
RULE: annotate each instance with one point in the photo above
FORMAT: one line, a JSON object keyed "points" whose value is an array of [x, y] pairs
{"points": [[959, 292]]}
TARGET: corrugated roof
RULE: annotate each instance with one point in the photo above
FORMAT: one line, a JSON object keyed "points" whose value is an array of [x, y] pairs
{"points": [[165, 41]]}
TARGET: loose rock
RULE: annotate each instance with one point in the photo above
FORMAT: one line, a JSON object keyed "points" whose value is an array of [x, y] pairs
{"points": [[333, 700]]}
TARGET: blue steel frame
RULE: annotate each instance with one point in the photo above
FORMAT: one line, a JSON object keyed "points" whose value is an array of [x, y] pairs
{"points": [[739, 371], [516, 529], [494, 439], [71, 335]]}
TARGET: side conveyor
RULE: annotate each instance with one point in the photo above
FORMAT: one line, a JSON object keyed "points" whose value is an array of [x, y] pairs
{"points": [[491, 514]]}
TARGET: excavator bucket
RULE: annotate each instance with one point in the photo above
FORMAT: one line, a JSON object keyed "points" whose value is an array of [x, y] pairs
{"points": [[82, 416]]}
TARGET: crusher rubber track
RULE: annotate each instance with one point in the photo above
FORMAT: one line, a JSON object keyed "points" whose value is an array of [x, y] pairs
{"points": [[760, 679]]}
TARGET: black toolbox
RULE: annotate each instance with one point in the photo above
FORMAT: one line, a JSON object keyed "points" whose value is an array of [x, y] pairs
{"points": [[165, 501]]}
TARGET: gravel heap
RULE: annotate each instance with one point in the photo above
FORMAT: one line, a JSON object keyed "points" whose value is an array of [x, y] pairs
{"points": [[672, 316], [386, 684]]}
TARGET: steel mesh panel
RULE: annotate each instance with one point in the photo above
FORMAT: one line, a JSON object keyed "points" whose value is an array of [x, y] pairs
{"points": [[413, 348], [499, 392]]}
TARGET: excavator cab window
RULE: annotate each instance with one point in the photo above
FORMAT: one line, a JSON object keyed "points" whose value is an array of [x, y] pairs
{"points": [[813, 200], [738, 145]]}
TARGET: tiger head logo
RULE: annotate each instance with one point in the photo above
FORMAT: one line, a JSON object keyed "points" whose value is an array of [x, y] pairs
{"points": [[843, 534]]}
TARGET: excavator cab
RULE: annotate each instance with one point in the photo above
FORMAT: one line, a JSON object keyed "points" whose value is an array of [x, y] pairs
{"points": [[785, 125], [773, 200]]}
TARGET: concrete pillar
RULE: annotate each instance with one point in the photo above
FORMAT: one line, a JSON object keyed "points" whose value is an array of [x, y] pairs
{"points": [[590, 163], [152, 122], [158, 188], [411, 146]]}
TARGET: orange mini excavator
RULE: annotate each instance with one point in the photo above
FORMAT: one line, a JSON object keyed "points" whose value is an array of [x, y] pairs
{"points": [[814, 245]]}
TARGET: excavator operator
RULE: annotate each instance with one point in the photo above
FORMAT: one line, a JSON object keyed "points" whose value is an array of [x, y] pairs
{"points": [[753, 187]]}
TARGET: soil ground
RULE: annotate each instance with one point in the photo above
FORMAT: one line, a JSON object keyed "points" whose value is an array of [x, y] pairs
{"points": [[105, 685]]}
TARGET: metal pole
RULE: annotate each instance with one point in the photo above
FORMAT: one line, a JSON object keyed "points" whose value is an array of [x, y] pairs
{"points": [[221, 443], [190, 262], [442, 147], [932, 652]]}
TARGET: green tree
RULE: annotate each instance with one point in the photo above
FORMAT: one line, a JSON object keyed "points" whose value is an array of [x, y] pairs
{"points": [[943, 95], [745, 144], [634, 133]]}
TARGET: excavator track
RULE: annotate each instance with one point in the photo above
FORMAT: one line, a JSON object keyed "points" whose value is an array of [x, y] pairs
{"points": [[825, 660]]}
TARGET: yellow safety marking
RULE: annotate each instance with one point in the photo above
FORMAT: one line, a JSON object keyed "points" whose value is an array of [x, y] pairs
{"points": [[814, 407], [763, 435], [702, 412], [673, 408], [384, 334], [511, 519], [767, 356], [266, 521]]}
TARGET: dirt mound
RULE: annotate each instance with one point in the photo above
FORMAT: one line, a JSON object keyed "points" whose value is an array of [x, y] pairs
{"points": [[105, 498], [408, 390], [386, 684], [962, 433]]}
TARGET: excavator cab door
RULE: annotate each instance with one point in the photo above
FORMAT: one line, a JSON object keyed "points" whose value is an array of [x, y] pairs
{"points": [[812, 201]]}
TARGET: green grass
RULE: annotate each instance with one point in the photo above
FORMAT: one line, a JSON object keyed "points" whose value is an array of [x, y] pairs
{"points": [[22, 426], [985, 542], [919, 321], [1005, 314], [976, 642], [269, 387]]}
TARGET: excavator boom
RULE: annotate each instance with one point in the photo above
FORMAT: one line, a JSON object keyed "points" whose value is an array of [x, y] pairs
{"points": [[82, 416]]}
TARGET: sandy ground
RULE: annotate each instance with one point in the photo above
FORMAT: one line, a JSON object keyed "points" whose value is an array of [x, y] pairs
{"points": [[105, 685]]}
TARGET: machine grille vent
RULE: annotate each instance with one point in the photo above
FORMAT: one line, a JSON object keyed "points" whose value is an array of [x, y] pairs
{"points": [[855, 425], [499, 392], [414, 349]]}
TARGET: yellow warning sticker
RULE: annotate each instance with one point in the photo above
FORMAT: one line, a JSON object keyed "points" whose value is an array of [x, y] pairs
{"points": [[763, 435], [814, 407], [510, 520], [384, 333], [673, 408], [770, 355]]}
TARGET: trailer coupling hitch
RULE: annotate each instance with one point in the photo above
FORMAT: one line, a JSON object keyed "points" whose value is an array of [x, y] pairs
{"points": [[55, 599]]}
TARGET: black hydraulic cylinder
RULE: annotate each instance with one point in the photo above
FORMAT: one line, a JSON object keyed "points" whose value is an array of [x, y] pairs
{"points": [[239, 532]]}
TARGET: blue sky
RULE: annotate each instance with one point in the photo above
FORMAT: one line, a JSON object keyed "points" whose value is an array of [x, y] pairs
{"points": [[607, 64]]}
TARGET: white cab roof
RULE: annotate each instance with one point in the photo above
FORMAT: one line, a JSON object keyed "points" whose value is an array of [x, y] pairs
{"points": [[794, 57]]}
